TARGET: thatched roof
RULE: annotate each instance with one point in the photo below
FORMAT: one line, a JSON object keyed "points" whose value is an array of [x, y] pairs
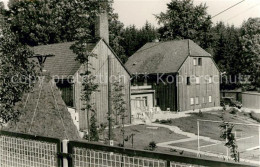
{"points": [[48, 119]]}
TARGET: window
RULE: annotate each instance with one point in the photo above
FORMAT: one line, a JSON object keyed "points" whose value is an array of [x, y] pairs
{"points": [[194, 61], [197, 80], [199, 61], [145, 101], [138, 104], [188, 80], [157, 101], [197, 100], [191, 101], [210, 79], [210, 99], [145, 82], [203, 100], [134, 82]]}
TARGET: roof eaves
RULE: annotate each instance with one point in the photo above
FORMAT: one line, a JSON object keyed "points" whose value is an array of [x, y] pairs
{"points": [[189, 54], [90, 53], [115, 55]]}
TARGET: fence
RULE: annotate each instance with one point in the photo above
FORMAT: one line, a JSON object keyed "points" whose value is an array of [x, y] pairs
{"points": [[33, 151], [247, 137], [21, 150]]}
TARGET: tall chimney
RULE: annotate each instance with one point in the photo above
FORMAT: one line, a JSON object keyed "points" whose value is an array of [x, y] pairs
{"points": [[101, 25]]}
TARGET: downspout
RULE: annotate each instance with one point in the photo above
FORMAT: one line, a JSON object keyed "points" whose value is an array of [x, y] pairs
{"points": [[177, 89], [129, 101]]}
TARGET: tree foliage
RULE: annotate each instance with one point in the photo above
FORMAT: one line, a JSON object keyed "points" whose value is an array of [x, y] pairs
{"points": [[184, 20], [135, 38], [17, 73], [119, 105], [228, 135], [94, 133], [2, 8], [116, 30], [50, 21], [228, 55], [89, 85], [118, 101], [250, 40]]}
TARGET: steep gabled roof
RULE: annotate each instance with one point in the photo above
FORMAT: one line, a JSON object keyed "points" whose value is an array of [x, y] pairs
{"points": [[63, 64], [44, 113], [163, 57]]}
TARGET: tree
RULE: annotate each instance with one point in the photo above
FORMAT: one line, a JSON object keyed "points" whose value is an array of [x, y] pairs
{"points": [[1, 13], [88, 83], [11, 3], [250, 40], [228, 55], [2, 6], [17, 73], [134, 38], [50, 21], [119, 105], [130, 42], [94, 134], [183, 20], [116, 29], [228, 135], [147, 33], [89, 86]]}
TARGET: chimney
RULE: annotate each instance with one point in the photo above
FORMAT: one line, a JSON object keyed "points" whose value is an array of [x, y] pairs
{"points": [[101, 24]]}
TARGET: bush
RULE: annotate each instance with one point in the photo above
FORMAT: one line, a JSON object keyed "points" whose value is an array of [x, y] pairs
{"points": [[255, 116], [233, 111], [168, 121], [152, 146], [157, 121], [200, 113]]}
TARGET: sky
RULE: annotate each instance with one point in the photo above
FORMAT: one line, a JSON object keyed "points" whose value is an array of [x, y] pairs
{"points": [[137, 12]]}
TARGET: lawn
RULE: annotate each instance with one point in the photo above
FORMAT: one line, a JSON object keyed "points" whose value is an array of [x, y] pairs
{"points": [[144, 134], [212, 130], [192, 144]]}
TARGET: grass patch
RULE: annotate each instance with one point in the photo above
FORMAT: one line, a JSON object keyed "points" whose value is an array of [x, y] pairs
{"points": [[255, 116], [144, 135], [212, 130], [192, 144]]}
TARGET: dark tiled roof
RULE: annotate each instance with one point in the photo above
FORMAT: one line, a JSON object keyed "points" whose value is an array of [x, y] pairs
{"points": [[163, 57], [63, 64]]}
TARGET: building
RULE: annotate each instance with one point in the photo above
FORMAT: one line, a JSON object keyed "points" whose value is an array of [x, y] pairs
{"points": [[236, 94], [66, 72], [251, 100], [175, 76]]}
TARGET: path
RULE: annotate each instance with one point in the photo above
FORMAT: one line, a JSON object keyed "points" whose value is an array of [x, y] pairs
{"points": [[194, 138]]}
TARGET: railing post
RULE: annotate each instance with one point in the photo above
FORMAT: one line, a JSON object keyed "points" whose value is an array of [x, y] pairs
{"points": [[65, 151], [198, 135], [227, 141]]}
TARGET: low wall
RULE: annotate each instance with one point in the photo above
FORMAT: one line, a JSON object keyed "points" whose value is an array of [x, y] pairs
{"points": [[251, 100]]}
